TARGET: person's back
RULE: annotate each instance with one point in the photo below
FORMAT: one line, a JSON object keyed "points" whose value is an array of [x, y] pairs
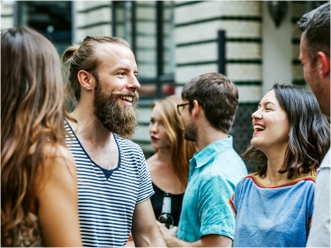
{"points": [[38, 174], [209, 105]]}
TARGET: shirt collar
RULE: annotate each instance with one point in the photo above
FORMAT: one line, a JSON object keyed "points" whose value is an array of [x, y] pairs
{"points": [[205, 155]]}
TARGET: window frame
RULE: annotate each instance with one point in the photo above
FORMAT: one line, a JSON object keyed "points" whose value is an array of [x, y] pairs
{"points": [[161, 80]]}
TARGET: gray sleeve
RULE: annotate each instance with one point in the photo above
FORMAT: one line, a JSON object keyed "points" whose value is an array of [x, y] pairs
{"points": [[319, 235]]}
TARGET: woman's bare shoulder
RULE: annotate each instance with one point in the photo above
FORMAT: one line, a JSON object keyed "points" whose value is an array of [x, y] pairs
{"points": [[57, 154], [59, 165]]}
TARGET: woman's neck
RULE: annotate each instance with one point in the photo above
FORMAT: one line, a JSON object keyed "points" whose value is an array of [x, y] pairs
{"points": [[162, 173], [164, 155], [272, 176]]}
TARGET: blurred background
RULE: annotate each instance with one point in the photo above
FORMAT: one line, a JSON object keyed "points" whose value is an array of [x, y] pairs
{"points": [[254, 43]]}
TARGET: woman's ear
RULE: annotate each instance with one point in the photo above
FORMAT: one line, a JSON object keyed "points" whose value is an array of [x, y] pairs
{"points": [[86, 80]]}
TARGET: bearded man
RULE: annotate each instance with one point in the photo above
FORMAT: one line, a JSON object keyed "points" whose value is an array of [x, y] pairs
{"points": [[114, 183]]}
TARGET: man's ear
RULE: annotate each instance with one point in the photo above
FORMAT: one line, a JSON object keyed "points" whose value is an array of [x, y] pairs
{"points": [[323, 64], [86, 80], [196, 110]]}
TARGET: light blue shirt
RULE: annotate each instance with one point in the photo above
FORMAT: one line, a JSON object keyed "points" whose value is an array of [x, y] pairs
{"points": [[277, 216], [214, 173]]}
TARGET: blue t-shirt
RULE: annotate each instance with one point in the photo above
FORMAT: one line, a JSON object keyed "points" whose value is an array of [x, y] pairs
{"points": [[214, 173], [273, 216]]}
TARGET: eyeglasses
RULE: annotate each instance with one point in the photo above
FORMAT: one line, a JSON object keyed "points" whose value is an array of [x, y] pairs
{"points": [[180, 107]]}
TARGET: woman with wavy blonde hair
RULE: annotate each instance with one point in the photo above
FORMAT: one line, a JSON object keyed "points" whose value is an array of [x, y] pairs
{"points": [[169, 166], [38, 173]]}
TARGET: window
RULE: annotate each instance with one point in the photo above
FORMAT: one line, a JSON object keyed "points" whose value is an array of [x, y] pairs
{"points": [[51, 18], [148, 27]]}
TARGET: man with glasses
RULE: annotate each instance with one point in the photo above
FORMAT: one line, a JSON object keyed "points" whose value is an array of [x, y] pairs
{"points": [[209, 105]]}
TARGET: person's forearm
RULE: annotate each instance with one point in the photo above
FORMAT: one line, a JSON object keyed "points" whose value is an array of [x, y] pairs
{"points": [[156, 241], [206, 241], [176, 242]]}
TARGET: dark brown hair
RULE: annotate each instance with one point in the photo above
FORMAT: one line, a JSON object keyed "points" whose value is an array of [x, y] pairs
{"points": [[309, 137], [218, 97], [315, 26]]}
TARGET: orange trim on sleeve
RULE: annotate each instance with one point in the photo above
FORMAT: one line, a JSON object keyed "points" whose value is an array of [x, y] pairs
{"points": [[232, 205]]}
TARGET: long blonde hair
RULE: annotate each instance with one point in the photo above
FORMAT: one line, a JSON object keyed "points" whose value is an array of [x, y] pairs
{"points": [[32, 116], [181, 150]]}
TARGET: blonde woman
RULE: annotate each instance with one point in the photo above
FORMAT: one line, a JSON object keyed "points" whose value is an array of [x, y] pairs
{"points": [[169, 166], [38, 175]]}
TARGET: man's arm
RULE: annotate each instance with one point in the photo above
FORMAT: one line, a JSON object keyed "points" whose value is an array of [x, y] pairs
{"points": [[319, 234], [144, 228], [211, 240]]}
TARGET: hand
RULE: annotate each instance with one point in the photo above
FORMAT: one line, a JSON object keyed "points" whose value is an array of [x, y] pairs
{"points": [[167, 234], [130, 242]]}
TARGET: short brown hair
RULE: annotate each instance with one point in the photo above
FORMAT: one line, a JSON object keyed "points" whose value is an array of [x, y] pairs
{"points": [[315, 26], [218, 97]]}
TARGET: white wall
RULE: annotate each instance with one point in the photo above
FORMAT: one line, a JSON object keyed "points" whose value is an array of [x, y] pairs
{"points": [[7, 14], [276, 50]]}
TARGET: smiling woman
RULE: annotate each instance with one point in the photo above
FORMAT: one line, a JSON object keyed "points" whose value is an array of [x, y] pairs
{"points": [[271, 125], [290, 139], [308, 130]]}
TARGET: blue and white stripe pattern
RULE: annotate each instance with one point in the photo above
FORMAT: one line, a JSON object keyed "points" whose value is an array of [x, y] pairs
{"points": [[107, 198]]}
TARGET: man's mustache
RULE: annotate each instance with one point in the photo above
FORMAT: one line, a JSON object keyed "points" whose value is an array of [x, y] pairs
{"points": [[133, 94]]}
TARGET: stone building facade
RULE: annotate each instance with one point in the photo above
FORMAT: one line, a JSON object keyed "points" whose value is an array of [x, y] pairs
{"points": [[176, 40]]}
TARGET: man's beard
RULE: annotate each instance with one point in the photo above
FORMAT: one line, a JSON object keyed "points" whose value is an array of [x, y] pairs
{"points": [[190, 132], [117, 118]]}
